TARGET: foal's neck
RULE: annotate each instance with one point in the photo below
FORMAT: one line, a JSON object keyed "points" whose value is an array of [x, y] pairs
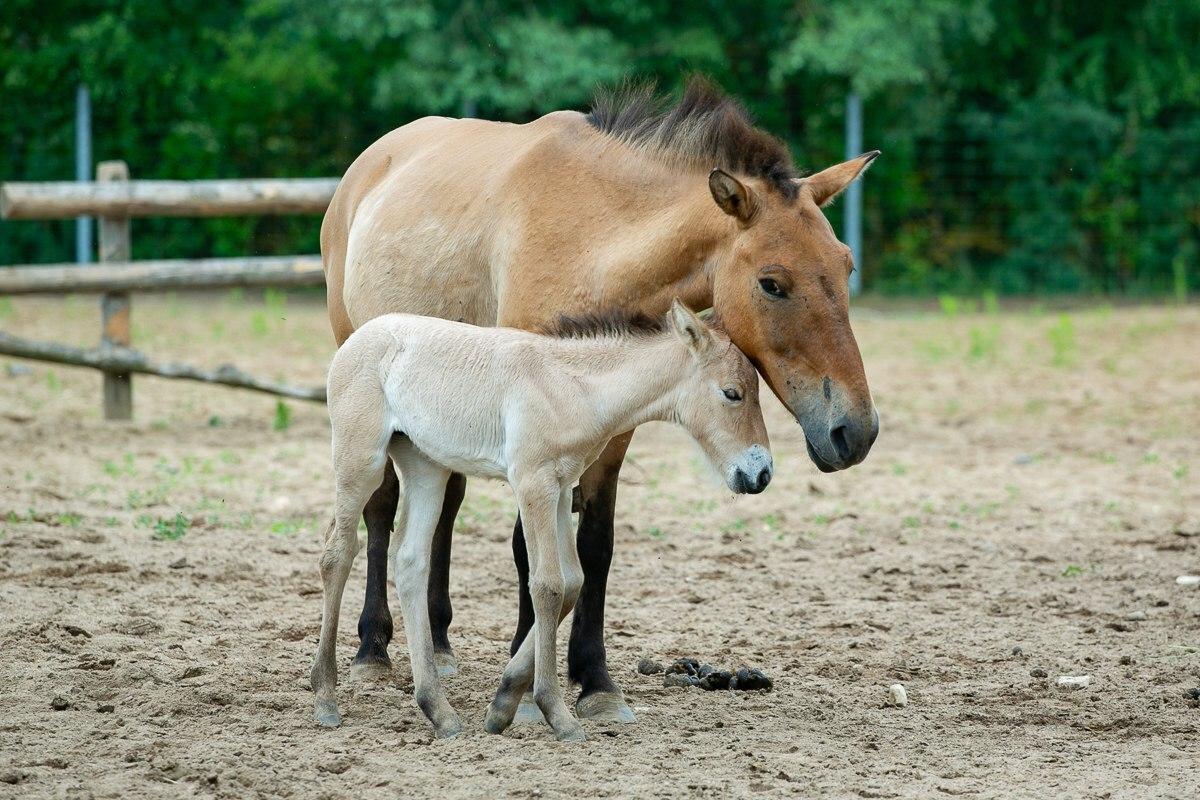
{"points": [[631, 380]]}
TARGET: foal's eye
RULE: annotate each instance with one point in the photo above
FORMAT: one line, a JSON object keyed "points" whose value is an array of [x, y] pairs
{"points": [[772, 287], [733, 395]]}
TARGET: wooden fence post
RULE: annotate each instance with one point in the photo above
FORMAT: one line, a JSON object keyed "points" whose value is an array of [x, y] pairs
{"points": [[115, 306]]}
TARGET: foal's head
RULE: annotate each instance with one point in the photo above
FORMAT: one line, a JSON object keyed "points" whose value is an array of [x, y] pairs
{"points": [[719, 405]]}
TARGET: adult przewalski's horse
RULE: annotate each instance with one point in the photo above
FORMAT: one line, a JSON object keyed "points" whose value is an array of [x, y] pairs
{"points": [[630, 206]]}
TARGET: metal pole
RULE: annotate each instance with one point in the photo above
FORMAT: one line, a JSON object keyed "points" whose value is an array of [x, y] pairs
{"points": [[83, 169], [853, 232]]}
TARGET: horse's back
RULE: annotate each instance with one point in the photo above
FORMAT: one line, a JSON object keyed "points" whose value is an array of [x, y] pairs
{"points": [[421, 216]]}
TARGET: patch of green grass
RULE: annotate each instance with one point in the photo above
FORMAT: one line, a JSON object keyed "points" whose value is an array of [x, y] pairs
{"points": [[168, 529], [912, 522], [990, 302], [982, 343], [655, 533], [1179, 276], [1072, 571], [1062, 341], [899, 469], [289, 527], [933, 351], [283, 416], [52, 381], [6, 307], [69, 518], [1181, 472]]}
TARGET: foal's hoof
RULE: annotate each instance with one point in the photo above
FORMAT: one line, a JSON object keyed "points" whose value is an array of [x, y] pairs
{"points": [[448, 729], [572, 734], [371, 671], [446, 663], [326, 714], [497, 722], [605, 707], [528, 712]]}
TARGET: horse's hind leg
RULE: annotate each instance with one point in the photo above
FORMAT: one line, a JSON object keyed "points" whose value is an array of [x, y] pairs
{"points": [[440, 610], [375, 622], [424, 491], [359, 471]]}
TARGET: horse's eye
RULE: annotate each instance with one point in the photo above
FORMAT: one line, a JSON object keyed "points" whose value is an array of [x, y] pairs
{"points": [[771, 287], [733, 395]]}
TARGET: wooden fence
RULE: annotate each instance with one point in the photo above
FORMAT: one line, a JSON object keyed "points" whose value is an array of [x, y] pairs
{"points": [[114, 199]]}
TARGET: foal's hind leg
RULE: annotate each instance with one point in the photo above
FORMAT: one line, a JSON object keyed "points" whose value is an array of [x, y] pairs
{"points": [[424, 490], [358, 473]]}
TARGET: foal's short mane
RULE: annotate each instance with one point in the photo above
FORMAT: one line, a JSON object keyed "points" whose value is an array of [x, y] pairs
{"points": [[613, 322], [706, 128]]}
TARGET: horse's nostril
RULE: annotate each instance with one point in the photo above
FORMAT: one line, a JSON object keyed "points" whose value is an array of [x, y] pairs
{"points": [[840, 444], [741, 481], [764, 477]]}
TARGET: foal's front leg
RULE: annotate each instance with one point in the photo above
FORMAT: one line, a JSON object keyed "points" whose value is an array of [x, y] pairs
{"points": [[554, 585], [424, 490]]}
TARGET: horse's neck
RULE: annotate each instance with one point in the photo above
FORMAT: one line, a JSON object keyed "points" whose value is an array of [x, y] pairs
{"points": [[667, 245], [632, 380]]}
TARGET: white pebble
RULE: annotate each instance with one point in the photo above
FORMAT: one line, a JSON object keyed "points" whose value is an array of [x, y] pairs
{"points": [[899, 695], [1074, 681], [1188, 580]]}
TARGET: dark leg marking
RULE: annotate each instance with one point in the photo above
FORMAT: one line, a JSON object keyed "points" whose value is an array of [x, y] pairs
{"points": [[440, 610], [586, 658], [375, 623], [525, 602]]}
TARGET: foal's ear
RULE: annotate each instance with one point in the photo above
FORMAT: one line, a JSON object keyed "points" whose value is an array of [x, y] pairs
{"points": [[831, 181], [691, 329], [734, 197]]}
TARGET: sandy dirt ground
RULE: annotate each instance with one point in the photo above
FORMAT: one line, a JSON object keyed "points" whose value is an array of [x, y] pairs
{"points": [[1024, 515]]}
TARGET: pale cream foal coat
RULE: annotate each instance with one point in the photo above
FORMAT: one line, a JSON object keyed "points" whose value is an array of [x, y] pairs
{"points": [[534, 410]]}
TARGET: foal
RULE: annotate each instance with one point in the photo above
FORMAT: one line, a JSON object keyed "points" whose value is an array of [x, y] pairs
{"points": [[442, 397]]}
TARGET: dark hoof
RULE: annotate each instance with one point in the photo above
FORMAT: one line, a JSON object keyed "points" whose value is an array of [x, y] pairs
{"points": [[605, 707], [371, 671]]}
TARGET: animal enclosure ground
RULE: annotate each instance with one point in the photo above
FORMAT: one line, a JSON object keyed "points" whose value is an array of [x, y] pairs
{"points": [[1031, 499]]}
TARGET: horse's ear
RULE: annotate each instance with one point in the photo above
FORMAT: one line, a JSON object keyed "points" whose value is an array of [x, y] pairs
{"points": [[734, 197], [830, 182], [691, 329]]}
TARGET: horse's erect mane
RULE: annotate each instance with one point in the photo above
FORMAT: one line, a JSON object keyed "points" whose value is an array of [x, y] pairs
{"points": [[613, 322], [706, 128]]}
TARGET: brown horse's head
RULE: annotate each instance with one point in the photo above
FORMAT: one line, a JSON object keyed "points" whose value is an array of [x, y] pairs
{"points": [[783, 298]]}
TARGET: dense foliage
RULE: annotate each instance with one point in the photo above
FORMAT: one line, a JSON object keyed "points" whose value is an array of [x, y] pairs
{"points": [[1047, 145]]}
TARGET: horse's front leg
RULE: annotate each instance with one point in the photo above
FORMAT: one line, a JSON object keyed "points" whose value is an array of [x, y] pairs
{"points": [[599, 698]]}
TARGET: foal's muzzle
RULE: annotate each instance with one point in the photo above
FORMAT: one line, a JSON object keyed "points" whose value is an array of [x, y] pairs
{"points": [[752, 471]]}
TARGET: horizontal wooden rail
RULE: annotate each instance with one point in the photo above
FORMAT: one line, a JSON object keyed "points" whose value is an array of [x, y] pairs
{"points": [[126, 360], [221, 198], [163, 275]]}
